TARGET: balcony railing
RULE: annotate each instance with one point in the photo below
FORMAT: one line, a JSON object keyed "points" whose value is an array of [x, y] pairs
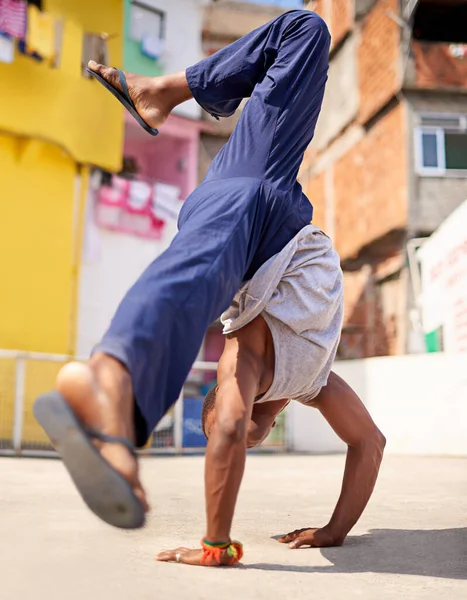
{"points": [[25, 375]]}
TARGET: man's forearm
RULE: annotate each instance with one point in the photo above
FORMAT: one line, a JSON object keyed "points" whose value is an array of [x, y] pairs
{"points": [[239, 374], [225, 464], [350, 420], [361, 471]]}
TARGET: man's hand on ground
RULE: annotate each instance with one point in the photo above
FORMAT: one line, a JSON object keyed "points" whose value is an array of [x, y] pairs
{"points": [[181, 555], [312, 537]]}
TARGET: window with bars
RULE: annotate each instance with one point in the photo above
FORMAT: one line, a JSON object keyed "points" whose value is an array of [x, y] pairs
{"points": [[441, 145]]}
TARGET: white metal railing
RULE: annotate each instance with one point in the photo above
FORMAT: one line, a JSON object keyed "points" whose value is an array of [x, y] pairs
{"points": [[17, 394]]}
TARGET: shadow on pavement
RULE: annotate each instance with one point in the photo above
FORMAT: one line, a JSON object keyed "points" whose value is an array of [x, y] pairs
{"points": [[430, 553]]}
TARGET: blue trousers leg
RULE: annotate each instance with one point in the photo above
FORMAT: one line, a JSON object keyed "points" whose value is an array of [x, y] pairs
{"points": [[248, 208], [282, 67]]}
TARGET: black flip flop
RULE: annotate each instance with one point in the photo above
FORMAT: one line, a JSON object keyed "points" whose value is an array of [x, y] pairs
{"points": [[106, 492], [124, 98]]}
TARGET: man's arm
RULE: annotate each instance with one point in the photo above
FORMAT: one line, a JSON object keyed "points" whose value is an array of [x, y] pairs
{"points": [[238, 381], [239, 375], [344, 411]]}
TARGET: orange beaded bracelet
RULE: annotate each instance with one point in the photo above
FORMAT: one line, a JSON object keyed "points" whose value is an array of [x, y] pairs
{"points": [[217, 552]]}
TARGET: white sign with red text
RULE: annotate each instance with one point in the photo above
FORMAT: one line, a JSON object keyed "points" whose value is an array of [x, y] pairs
{"points": [[444, 281]]}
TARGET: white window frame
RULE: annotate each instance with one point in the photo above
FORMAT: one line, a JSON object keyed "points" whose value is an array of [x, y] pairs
{"points": [[440, 131], [440, 170]]}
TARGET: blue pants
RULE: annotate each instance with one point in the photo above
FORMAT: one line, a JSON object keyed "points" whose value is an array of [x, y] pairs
{"points": [[247, 209]]}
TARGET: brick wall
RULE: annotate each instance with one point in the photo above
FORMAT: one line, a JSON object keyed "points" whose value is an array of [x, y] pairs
{"points": [[338, 14], [358, 181], [372, 321], [319, 6], [379, 58], [341, 100], [355, 335], [341, 19], [371, 185], [437, 66]]}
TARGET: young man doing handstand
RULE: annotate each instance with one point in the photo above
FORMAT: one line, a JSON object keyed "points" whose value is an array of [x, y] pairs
{"points": [[247, 210], [282, 333]]}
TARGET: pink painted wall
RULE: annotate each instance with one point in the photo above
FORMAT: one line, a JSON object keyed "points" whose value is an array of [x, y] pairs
{"points": [[171, 157]]}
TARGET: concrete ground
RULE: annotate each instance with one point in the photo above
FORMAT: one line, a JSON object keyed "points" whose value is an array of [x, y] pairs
{"points": [[411, 542]]}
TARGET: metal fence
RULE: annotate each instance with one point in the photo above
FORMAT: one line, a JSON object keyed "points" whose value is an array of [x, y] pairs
{"points": [[25, 375]]}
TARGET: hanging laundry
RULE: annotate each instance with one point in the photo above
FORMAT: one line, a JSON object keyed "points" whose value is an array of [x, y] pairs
{"points": [[40, 37], [137, 217], [116, 193], [166, 201], [7, 48], [157, 228], [140, 195], [458, 50], [13, 18], [110, 203]]}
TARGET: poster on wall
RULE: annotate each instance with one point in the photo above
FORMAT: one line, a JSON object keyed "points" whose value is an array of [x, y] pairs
{"points": [[443, 261]]}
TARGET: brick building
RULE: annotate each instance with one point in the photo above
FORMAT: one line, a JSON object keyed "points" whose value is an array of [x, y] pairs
{"points": [[389, 160]]}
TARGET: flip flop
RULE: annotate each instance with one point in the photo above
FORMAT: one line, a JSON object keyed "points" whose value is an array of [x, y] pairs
{"points": [[124, 98], [106, 492]]}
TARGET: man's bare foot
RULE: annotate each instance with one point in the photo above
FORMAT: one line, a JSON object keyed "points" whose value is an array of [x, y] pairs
{"points": [[154, 97], [101, 396]]}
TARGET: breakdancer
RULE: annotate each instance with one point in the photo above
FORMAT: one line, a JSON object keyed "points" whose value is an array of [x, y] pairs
{"points": [[248, 208]]}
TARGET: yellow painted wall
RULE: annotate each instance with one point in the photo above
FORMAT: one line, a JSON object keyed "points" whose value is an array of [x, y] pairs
{"points": [[37, 190], [59, 105], [37, 199], [52, 123]]}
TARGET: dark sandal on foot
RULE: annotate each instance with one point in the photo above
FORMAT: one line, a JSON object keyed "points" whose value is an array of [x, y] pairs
{"points": [[124, 98], [106, 492]]}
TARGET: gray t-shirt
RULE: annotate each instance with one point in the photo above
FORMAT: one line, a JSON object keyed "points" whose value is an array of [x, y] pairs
{"points": [[300, 294]]}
